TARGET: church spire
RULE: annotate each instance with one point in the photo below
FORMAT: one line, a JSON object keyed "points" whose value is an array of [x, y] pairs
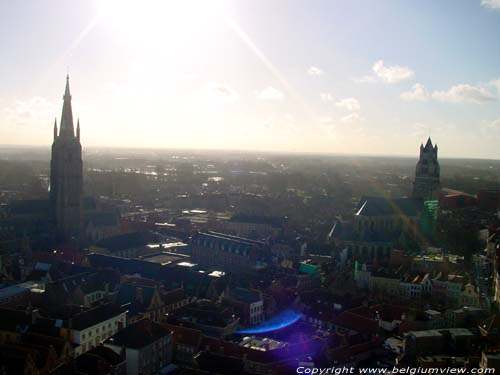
{"points": [[78, 130], [66, 126], [55, 128]]}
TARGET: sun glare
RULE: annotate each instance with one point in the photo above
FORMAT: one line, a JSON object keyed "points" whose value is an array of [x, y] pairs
{"points": [[153, 21]]}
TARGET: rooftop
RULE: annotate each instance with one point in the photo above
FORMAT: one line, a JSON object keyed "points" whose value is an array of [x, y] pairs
{"points": [[138, 335], [380, 206]]}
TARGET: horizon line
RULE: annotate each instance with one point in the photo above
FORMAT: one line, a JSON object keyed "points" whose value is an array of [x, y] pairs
{"points": [[250, 151]]}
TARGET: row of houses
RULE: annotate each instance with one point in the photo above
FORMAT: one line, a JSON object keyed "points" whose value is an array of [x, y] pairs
{"points": [[401, 283]]}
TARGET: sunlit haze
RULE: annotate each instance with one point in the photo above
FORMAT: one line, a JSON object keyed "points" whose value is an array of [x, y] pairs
{"points": [[357, 77]]}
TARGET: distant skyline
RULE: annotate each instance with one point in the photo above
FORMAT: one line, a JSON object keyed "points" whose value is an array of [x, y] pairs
{"points": [[284, 75]]}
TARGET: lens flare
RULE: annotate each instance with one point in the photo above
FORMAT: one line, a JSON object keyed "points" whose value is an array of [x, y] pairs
{"points": [[284, 319]]}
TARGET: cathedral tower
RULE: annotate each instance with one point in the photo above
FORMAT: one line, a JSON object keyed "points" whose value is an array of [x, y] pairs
{"points": [[426, 185], [66, 174]]}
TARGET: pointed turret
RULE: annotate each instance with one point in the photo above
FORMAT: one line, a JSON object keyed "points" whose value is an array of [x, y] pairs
{"points": [[428, 145], [55, 129], [78, 129], [66, 125]]}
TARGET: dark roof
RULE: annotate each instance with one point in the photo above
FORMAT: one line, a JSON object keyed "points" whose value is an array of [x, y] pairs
{"points": [[492, 325], [66, 369], [63, 290], [13, 359], [245, 295], [30, 207], [139, 334], [14, 320], [44, 340], [78, 318], [207, 313], [107, 354], [228, 237], [274, 221], [219, 364], [341, 230], [380, 206], [144, 268], [96, 315], [355, 320], [184, 335], [126, 241], [102, 219], [173, 296], [128, 294]]}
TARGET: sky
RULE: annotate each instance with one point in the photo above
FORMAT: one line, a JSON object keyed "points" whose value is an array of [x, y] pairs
{"points": [[353, 77]]}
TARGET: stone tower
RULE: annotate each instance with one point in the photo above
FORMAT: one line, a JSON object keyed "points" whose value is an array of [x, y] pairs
{"points": [[426, 185], [66, 175]]}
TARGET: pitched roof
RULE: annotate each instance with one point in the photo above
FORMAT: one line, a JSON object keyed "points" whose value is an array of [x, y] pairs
{"points": [[274, 221], [492, 325], [380, 206], [95, 315], [129, 293], [357, 321], [184, 335], [107, 354], [246, 295], [139, 334]]}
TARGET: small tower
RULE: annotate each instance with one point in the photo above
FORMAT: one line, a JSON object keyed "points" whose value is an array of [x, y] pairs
{"points": [[426, 185], [66, 175]]}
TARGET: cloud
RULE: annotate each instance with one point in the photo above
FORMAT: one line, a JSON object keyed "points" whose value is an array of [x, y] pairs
{"points": [[351, 104], [222, 92], [315, 71], [393, 73], [387, 74], [32, 111], [352, 118], [366, 79], [282, 122], [418, 93], [270, 93], [463, 93], [326, 97], [492, 4], [496, 85], [325, 120], [494, 125]]}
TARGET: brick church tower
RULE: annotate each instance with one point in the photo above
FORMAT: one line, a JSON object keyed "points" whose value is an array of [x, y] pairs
{"points": [[66, 175], [426, 185]]}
